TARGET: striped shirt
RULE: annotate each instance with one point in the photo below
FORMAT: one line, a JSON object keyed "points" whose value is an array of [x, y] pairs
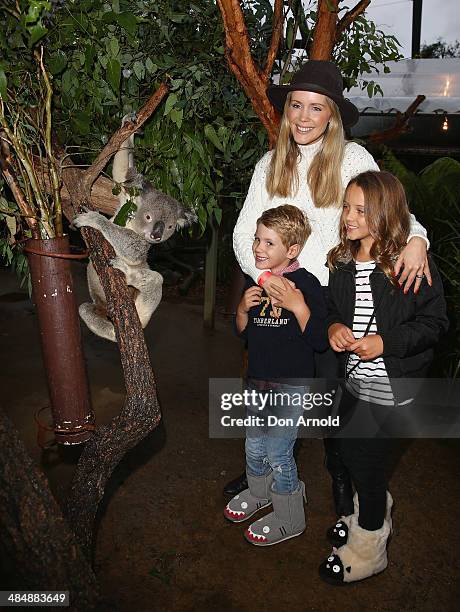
{"points": [[367, 380]]}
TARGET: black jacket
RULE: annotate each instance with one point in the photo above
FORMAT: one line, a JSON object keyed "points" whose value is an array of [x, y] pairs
{"points": [[409, 324]]}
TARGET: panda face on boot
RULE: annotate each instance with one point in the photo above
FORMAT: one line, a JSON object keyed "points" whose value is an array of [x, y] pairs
{"points": [[331, 570]]}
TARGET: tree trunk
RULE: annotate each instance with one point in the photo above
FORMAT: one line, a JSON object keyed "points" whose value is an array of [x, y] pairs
{"points": [[35, 539], [325, 30], [251, 77], [141, 411]]}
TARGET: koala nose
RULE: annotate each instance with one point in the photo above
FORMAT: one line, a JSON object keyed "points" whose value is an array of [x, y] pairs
{"points": [[157, 231]]}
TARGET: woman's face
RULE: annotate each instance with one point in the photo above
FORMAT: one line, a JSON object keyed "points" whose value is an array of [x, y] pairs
{"points": [[308, 115]]}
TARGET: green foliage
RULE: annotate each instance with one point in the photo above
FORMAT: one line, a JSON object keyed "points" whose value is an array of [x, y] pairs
{"points": [[440, 49], [434, 195], [11, 256], [107, 56], [126, 212], [358, 51]]}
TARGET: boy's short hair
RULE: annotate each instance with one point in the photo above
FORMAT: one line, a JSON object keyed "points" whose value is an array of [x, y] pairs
{"points": [[289, 222]]}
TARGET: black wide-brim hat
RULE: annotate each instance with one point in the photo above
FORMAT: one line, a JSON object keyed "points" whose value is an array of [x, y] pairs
{"points": [[320, 77]]}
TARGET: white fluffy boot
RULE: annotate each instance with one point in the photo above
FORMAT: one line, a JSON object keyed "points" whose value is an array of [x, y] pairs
{"points": [[364, 555], [338, 534]]}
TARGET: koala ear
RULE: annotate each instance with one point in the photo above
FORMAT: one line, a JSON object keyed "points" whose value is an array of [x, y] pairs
{"points": [[186, 217]]}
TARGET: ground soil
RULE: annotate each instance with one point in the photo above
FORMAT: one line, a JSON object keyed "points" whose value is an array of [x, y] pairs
{"points": [[162, 541]]}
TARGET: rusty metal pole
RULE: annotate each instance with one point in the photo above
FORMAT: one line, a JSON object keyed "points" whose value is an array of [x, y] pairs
{"points": [[60, 336]]}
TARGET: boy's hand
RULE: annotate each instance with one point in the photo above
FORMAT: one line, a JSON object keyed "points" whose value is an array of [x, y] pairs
{"points": [[340, 337], [367, 348], [251, 297], [288, 296]]}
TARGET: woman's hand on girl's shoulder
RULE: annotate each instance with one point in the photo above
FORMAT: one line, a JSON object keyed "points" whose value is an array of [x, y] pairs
{"points": [[413, 262], [340, 337]]}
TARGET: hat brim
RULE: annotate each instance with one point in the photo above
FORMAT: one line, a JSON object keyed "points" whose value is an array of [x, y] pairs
{"points": [[277, 95]]}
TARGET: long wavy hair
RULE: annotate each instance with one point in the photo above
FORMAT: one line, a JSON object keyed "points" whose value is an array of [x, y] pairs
{"points": [[324, 176], [388, 219]]}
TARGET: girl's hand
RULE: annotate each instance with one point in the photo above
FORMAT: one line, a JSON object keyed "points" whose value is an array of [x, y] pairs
{"points": [[288, 296], [340, 337], [251, 297], [367, 348], [414, 260]]}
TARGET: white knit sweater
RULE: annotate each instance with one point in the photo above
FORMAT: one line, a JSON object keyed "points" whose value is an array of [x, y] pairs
{"points": [[324, 221]]}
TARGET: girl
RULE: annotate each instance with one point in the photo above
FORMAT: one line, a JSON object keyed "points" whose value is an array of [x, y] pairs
{"points": [[382, 334], [312, 163]]}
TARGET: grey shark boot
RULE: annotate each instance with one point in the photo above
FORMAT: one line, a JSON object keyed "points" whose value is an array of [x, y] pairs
{"points": [[286, 521], [251, 500]]}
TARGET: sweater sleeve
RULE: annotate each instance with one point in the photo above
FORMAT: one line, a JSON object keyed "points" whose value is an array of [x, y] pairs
{"points": [[315, 330], [429, 324], [416, 229], [253, 207]]}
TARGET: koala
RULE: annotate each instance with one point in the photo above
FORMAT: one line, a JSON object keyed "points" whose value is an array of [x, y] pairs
{"points": [[145, 216]]}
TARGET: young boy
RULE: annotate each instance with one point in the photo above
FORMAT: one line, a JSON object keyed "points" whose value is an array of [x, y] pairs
{"points": [[282, 332]]}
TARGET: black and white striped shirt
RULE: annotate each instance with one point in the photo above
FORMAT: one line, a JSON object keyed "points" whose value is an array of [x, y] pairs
{"points": [[369, 379]]}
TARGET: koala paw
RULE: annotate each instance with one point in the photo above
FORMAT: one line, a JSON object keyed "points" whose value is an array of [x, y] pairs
{"points": [[87, 219], [119, 264], [128, 118]]}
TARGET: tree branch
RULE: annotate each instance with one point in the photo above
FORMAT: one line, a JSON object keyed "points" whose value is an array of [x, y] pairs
{"points": [[241, 63], [121, 135], [350, 16], [400, 126], [277, 28], [40, 548], [18, 194], [141, 411]]}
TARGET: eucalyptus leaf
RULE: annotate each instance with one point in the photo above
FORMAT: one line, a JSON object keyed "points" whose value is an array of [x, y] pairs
{"points": [[128, 21], [3, 84], [170, 102], [114, 74], [90, 54], [57, 62], [126, 212], [211, 135], [36, 32], [139, 70]]}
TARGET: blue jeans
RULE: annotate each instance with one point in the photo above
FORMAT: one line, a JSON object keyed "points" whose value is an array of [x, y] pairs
{"points": [[270, 447]]}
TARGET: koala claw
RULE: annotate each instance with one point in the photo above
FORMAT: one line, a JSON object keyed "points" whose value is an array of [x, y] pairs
{"points": [[129, 117], [87, 219], [119, 264]]}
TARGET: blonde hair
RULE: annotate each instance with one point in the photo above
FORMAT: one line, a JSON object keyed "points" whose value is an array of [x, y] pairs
{"points": [[289, 222], [388, 219], [324, 176]]}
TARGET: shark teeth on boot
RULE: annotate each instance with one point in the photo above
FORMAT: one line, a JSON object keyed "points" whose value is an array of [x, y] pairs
{"points": [[254, 536], [234, 514]]}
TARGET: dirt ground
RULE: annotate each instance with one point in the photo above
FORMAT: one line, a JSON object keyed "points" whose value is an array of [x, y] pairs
{"points": [[162, 541]]}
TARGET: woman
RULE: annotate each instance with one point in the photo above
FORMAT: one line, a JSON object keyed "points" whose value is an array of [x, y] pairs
{"points": [[309, 168]]}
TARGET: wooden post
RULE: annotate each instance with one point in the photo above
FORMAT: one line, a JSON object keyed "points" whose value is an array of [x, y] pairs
{"points": [[210, 279], [416, 27]]}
